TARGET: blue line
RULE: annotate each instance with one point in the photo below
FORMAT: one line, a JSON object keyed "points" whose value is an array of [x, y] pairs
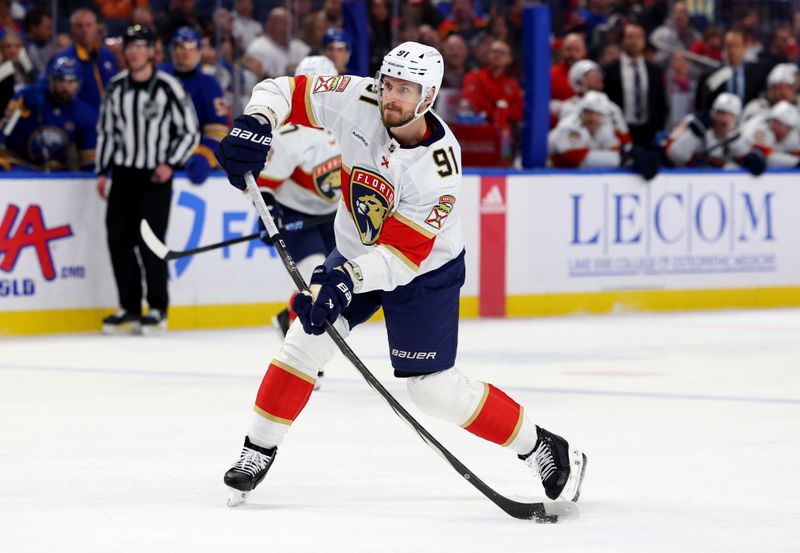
{"points": [[566, 391]]}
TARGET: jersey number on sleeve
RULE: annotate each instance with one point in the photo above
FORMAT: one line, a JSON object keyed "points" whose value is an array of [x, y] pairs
{"points": [[442, 161]]}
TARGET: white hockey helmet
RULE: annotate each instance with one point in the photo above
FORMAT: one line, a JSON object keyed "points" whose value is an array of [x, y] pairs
{"points": [[783, 73], [417, 63], [595, 101], [786, 113], [578, 71], [315, 65], [729, 103]]}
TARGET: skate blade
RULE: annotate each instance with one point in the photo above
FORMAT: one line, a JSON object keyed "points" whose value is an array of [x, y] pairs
{"points": [[237, 497], [154, 330], [577, 460], [119, 330]]}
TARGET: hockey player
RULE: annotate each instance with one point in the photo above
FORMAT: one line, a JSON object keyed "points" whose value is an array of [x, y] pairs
{"points": [[399, 245], [210, 104], [714, 143], [778, 136], [781, 85], [585, 139], [586, 75], [44, 120], [336, 47], [302, 179]]}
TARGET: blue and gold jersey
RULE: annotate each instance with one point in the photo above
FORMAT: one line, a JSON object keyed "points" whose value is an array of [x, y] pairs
{"points": [[213, 111], [38, 130]]}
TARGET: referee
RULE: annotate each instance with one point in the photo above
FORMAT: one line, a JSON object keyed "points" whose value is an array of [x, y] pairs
{"points": [[147, 128]]}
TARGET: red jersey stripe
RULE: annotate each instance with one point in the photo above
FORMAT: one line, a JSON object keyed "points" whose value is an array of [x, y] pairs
{"points": [[283, 393], [497, 419], [413, 242]]}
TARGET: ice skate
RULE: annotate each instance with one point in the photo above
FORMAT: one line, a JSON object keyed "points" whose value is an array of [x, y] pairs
{"points": [[281, 323], [560, 466], [122, 322], [155, 322], [248, 471]]}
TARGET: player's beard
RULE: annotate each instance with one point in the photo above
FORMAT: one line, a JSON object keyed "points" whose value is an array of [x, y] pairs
{"points": [[392, 119]]}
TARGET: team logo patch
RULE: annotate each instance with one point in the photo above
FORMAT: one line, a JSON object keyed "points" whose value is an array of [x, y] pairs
{"points": [[371, 199], [440, 211], [328, 84], [327, 178]]}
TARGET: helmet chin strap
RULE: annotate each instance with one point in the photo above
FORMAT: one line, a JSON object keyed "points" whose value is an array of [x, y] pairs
{"points": [[417, 113]]}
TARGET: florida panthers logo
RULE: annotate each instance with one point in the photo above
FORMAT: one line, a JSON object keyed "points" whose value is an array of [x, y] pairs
{"points": [[328, 179], [371, 199]]}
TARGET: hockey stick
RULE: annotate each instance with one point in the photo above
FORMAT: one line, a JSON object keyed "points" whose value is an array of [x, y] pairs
{"points": [[161, 250], [539, 512]]}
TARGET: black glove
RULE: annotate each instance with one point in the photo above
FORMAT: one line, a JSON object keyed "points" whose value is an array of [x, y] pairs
{"points": [[640, 160], [245, 149], [335, 294], [755, 163]]}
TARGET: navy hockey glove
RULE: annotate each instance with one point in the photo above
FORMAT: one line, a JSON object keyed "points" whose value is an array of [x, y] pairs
{"points": [[640, 160], [245, 149], [755, 163], [197, 169], [335, 294]]}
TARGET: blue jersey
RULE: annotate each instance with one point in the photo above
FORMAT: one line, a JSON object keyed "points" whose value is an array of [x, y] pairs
{"points": [[96, 67], [213, 112], [36, 129]]}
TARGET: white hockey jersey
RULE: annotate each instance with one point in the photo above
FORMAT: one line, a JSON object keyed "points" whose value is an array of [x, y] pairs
{"points": [[398, 216], [685, 148], [757, 107], [303, 170], [570, 144], [615, 117], [785, 153]]}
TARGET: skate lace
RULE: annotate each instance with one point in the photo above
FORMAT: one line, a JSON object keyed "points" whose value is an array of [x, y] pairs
{"points": [[251, 462], [542, 461]]}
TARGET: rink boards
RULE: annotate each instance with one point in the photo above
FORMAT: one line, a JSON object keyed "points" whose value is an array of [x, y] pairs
{"points": [[538, 243]]}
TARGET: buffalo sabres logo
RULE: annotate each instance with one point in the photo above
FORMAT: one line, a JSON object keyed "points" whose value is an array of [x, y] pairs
{"points": [[371, 199], [440, 211], [327, 178]]}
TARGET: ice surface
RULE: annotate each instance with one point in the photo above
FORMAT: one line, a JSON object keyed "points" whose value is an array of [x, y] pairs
{"points": [[691, 423]]}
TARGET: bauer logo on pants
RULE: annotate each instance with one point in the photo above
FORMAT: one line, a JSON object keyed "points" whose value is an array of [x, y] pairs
{"points": [[371, 199]]}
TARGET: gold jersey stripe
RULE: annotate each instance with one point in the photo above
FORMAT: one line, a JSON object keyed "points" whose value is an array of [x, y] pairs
{"points": [[401, 256], [273, 418], [409, 223], [296, 372], [480, 406], [516, 428]]}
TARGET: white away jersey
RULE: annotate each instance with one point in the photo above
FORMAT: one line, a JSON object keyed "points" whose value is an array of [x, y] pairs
{"points": [[785, 153], [303, 170], [571, 144], [685, 148], [399, 216]]}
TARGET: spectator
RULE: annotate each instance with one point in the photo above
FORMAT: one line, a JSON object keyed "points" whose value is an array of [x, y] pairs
{"points": [[46, 122], [777, 51], [735, 76], [710, 45], [245, 28], [776, 136], [114, 44], [747, 24], [676, 35], [781, 86], [274, 54], [455, 54], [583, 139], [97, 63], [637, 87], [380, 33], [143, 15], [7, 22], [39, 34], [713, 141], [219, 69], [462, 21], [313, 28], [485, 87], [585, 76], [332, 10], [680, 89], [210, 105], [13, 50], [181, 13], [336, 47], [429, 37], [119, 9], [595, 13], [573, 49]]}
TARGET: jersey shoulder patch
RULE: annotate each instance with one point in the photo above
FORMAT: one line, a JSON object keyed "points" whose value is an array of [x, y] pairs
{"points": [[334, 83]]}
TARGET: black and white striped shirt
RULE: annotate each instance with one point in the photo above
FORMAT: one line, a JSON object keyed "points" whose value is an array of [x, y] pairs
{"points": [[145, 124]]}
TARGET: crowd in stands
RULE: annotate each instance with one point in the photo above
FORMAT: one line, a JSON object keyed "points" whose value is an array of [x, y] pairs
{"points": [[662, 73]]}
